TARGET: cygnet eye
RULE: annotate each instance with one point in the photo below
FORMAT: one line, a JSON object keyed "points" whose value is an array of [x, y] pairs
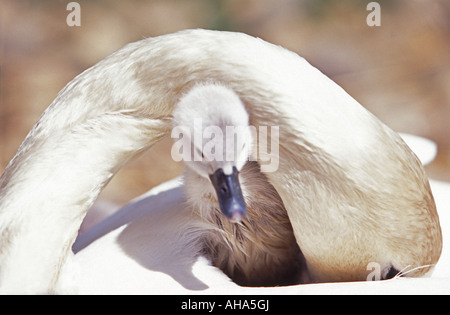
{"points": [[224, 189]]}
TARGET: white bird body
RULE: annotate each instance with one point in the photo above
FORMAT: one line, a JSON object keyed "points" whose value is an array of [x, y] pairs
{"points": [[341, 171], [150, 246], [91, 268]]}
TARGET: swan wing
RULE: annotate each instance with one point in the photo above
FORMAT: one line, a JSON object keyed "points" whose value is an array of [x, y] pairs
{"points": [[150, 246]]}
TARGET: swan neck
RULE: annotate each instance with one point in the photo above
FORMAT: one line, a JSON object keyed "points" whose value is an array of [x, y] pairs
{"points": [[50, 184]]}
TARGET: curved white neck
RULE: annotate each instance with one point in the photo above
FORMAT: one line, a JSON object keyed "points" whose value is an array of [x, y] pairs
{"points": [[75, 148], [48, 188]]}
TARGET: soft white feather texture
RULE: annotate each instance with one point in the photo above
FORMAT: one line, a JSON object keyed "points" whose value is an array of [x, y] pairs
{"points": [[208, 106], [353, 190]]}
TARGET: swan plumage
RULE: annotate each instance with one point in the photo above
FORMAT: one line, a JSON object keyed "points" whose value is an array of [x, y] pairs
{"points": [[353, 190]]}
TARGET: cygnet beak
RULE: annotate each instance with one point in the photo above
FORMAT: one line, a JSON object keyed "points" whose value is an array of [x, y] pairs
{"points": [[229, 194]]}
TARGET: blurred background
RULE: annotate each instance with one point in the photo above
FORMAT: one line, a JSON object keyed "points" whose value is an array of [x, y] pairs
{"points": [[400, 70]]}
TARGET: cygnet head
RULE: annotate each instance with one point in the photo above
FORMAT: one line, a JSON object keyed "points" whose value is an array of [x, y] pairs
{"points": [[215, 141]]}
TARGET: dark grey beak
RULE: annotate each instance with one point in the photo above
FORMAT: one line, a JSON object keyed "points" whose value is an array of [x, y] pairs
{"points": [[229, 194]]}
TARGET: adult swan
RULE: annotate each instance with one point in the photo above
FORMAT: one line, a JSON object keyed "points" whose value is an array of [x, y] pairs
{"points": [[353, 190]]}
